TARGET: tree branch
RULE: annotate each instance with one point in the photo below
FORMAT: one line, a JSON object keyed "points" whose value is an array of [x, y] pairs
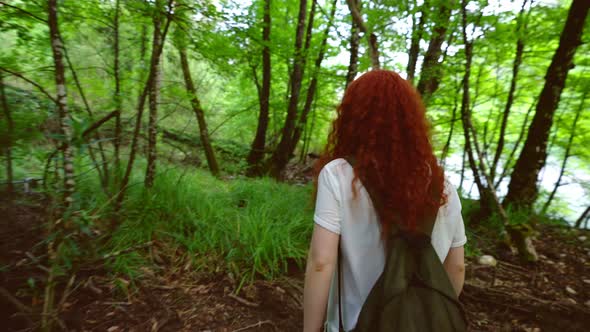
{"points": [[37, 85]]}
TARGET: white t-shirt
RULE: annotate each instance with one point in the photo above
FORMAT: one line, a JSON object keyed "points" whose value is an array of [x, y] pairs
{"points": [[363, 256]]}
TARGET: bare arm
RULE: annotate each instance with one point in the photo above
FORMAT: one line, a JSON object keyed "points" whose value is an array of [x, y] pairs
{"points": [[455, 266], [321, 262]]}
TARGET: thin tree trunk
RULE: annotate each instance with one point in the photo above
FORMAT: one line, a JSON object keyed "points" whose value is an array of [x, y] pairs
{"points": [[9, 137], [198, 110], [311, 90], [140, 107], [488, 197], [462, 170], [465, 119], [447, 146], [584, 216], [567, 154], [516, 145], [258, 145], [520, 28], [354, 51], [373, 46], [152, 129], [57, 49], [417, 32], [118, 99], [309, 132], [62, 106], [522, 190], [431, 68], [281, 156], [104, 172]]}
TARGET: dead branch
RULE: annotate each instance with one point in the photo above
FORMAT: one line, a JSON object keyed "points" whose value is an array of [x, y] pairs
{"points": [[243, 301], [99, 123], [14, 301], [259, 324], [35, 84]]}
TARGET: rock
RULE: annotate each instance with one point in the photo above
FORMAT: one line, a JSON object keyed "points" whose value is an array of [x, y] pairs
{"points": [[572, 301], [570, 290], [586, 281], [487, 260], [582, 238]]}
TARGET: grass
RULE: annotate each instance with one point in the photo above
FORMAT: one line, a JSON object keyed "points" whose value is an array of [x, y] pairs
{"points": [[256, 226]]}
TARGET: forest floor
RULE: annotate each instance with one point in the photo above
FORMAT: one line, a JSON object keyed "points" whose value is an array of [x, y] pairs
{"points": [[550, 295]]}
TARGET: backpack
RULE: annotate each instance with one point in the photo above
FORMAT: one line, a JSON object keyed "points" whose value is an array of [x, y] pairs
{"points": [[413, 293]]}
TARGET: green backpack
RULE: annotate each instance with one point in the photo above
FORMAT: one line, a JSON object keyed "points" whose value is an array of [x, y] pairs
{"points": [[413, 293]]}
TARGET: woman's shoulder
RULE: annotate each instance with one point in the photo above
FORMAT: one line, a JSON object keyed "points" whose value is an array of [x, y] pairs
{"points": [[335, 166]]}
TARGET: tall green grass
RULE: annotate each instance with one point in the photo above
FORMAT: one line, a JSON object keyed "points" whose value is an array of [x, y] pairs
{"points": [[255, 226]]}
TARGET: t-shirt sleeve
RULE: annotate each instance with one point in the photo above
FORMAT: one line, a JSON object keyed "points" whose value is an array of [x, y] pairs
{"points": [[327, 207], [459, 237]]}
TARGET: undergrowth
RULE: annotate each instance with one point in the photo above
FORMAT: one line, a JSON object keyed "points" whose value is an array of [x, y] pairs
{"points": [[257, 226]]}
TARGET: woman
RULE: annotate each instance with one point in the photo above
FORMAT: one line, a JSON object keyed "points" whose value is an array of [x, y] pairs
{"points": [[382, 126]]}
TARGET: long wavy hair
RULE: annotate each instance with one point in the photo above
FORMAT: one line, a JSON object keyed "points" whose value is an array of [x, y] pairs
{"points": [[382, 124]]}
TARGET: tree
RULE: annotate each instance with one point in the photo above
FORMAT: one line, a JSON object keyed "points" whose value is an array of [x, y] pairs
{"points": [[522, 189], [118, 97], [354, 50], [373, 46], [417, 32], [567, 153], [521, 26], [281, 156], [197, 109], [257, 149], [67, 154], [431, 72], [154, 87], [8, 141], [155, 59]]}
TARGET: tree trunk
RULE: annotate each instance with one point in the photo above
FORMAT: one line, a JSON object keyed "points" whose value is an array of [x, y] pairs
{"points": [[198, 110], [57, 49], [257, 150], [103, 173], [567, 154], [522, 190], [466, 121], [62, 106], [373, 47], [9, 137], [152, 153], [584, 216], [118, 99], [521, 133], [311, 90], [431, 68], [447, 145], [140, 107], [519, 234], [281, 156], [354, 51], [520, 28], [417, 32]]}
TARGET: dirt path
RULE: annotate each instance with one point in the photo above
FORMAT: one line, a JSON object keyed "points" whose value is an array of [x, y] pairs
{"points": [[551, 295]]}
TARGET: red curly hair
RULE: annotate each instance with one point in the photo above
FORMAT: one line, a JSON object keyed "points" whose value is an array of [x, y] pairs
{"points": [[382, 124]]}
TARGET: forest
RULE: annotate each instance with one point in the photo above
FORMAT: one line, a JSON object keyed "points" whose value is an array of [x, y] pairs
{"points": [[157, 156]]}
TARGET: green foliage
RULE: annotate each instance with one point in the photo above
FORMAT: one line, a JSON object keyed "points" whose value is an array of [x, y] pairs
{"points": [[257, 227]]}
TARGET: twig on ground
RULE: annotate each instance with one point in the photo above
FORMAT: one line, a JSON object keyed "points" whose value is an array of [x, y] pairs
{"points": [[14, 301], [244, 301], [259, 324]]}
